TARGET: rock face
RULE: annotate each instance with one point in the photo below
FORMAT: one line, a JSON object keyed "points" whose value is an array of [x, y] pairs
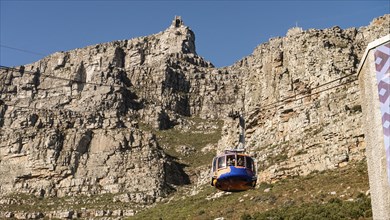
{"points": [[301, 100], [72, 123]]}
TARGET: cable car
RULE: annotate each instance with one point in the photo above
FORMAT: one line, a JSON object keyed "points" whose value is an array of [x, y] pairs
{"points": [[233, 171]]}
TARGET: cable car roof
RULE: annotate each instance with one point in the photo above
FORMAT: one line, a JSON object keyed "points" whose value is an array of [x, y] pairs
{"points": [[232, 153]]}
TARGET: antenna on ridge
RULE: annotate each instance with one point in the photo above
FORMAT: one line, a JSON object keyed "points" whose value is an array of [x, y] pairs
{"points": [[177, 21]]}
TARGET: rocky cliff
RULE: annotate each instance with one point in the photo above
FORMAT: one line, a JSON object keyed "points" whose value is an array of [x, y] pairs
{"points": [[75, 122], [302, 101], [70, 122]]}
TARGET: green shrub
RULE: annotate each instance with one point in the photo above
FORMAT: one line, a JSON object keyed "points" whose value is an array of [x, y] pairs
{"points": [[246, 216]]}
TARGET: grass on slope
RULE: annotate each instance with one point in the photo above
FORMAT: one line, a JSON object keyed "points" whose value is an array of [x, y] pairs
{"points": [[335, 209], [200, 133], [333, 194], [31, 203]]}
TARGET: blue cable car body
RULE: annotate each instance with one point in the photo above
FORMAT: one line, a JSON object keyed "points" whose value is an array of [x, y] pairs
{"points": [[233, 176]]}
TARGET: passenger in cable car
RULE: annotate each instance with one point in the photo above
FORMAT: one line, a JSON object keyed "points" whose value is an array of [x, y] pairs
{"points": [[240, 161], [231, 160]]}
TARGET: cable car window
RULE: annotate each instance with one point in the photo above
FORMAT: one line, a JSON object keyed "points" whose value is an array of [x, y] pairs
{"points": [[221, 162], [249, 163], [231, 160], [240, 161], [214, 164]]}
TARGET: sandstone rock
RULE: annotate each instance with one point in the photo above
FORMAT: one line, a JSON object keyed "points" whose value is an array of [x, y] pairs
{"points": [[217, 195], [35, 215], [185, 150], [20, 215], [65, 214], [117, 212], [128, 213], [100, 213], [122, 198], [7, 215]]}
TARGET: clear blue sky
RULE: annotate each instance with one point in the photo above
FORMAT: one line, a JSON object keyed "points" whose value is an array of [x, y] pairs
{"points": [[226, 31]]}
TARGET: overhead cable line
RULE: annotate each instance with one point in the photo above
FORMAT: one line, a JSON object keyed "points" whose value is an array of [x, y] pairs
{"points": [[22, 50], [264, 109], [77, 114], [260, 109], [57, 110], [305, 91], [61, 78], [116, 117], [55, 127], [308, 95], [101, 84], [54, 109]]}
